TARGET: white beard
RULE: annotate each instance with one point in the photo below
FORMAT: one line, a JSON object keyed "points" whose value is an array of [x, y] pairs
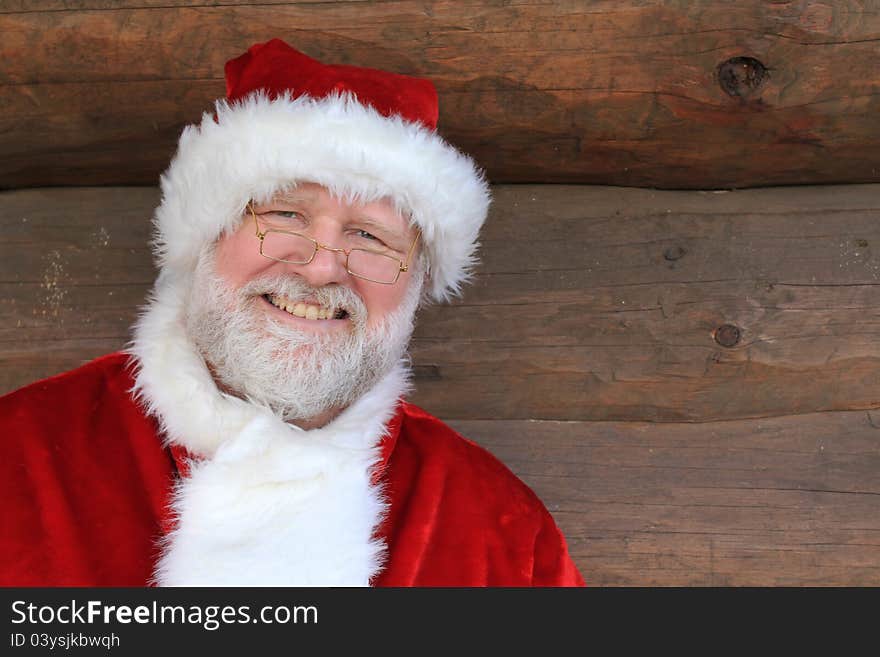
{"points": [[299, 375]]}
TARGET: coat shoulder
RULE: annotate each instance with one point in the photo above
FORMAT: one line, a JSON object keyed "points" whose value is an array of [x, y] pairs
{"points": [[83, 473], [464, 462], [471, 503], [90, 409], [65, 392]]}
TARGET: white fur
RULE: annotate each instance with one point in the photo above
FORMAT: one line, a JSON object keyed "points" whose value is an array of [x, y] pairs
{"points": [[270, 504], [259, 146]]}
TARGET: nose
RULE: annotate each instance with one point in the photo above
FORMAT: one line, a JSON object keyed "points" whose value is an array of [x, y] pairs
{"points": [[327, 267]]}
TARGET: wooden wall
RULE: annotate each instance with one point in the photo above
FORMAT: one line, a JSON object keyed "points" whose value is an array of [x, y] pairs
{"points": [[696, 94], [689, 380]]}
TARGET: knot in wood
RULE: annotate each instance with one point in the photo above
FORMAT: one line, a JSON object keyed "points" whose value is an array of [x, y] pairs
{"points": [[741, 77], [727, 335], [674, 253]]}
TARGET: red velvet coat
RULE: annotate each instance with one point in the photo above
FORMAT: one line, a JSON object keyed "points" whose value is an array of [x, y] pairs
{"points": [[86, 486]]}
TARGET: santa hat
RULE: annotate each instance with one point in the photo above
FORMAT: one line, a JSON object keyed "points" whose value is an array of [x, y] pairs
{"points": [[364, 134]]}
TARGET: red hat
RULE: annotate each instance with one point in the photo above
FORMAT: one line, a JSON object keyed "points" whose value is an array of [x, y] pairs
{"points": [[277, 69], [363, 133]]}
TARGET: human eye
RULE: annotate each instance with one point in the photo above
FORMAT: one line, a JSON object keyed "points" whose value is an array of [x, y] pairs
{"points": [[364, 239], [285, 214], [283, 218], [366, 235]]}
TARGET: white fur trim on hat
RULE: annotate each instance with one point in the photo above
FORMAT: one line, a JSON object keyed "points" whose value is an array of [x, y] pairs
{"points": [[259, 146]]}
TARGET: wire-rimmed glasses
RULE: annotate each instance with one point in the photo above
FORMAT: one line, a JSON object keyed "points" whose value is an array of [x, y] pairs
{"points": [[298, 249]]}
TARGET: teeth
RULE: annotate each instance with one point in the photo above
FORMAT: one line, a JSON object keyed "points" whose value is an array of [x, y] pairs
{"points": [[300, 309]]}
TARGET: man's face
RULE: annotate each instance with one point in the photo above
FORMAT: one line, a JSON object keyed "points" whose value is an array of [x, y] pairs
{"points": [[311, 210], [306, 339]]}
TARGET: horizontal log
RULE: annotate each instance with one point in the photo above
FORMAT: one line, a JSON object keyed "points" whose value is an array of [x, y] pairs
{"points": [[788, 501], [606, 304], [591, 303], [636, 94]]}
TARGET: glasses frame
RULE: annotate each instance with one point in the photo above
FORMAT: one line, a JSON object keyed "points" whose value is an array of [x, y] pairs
{"points": [[403, 265]]}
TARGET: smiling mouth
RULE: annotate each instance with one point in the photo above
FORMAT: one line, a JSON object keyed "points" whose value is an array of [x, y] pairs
{"points": [[305, 310]]}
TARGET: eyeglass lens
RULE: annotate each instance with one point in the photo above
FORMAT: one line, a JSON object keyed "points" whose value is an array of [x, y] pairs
{"points": [[297, 249]]}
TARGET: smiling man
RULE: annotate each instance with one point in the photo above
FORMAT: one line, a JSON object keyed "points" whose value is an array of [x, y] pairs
{"points": [[338, 317], [256, 432]]}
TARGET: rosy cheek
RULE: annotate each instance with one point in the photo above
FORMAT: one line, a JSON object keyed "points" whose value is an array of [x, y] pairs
{"points": [[237, 259]]}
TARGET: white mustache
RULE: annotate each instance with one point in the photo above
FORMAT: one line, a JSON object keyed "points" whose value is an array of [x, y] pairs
{"points": [[296, 289]]}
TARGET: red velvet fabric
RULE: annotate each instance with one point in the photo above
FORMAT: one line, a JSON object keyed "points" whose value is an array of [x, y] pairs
{"points": [[276, 68], [86, 484]]}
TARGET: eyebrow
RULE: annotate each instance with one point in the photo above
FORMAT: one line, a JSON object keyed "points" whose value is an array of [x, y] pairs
{"points": [[294, 196]]}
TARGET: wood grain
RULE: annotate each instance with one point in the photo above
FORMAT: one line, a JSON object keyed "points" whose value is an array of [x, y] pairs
{"points": [[591, 303], [75, 268], [612, 93], [788, 501], [602, 304]]}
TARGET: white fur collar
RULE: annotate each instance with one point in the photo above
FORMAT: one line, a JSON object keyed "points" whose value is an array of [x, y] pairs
{"points": [[270, 504]]}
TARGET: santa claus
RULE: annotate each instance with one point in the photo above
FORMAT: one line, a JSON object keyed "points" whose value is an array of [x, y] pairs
{"points": [[256, 433]]}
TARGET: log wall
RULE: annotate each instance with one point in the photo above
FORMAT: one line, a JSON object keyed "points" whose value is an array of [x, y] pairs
{"points": [[700, 94], [689, 380]]}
